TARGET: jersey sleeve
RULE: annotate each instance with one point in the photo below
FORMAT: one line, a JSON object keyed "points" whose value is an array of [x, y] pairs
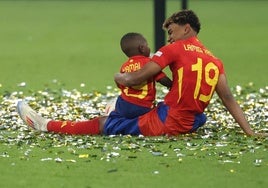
{"points": [[221, 67], [164, 56]]}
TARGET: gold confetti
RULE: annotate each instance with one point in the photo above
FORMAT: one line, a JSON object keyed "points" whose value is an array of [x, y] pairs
{"points": [[214, 139], [83, 156]]}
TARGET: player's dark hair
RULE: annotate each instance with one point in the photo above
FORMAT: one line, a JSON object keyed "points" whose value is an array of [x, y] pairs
{"points": [[130, 43], [183, 17]]}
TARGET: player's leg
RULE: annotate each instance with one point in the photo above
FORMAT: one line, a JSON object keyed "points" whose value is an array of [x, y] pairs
{"points": [[31, 118], [149, 124], [129, 110], [164, 120], [87, 127], [199, 121], [153, 122], [36, 121], [117, 124]]}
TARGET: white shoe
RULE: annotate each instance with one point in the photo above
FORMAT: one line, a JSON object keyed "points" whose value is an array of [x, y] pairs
{"points": [[31, 118]]}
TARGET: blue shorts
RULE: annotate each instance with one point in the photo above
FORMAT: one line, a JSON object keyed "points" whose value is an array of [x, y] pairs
{"points": [[129, 110], [117, 124], [199, 120], [152, 123]]}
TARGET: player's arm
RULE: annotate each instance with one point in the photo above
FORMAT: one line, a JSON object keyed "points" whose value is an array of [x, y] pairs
{"points": [[138, 77], [230, 103], [165, 81]]}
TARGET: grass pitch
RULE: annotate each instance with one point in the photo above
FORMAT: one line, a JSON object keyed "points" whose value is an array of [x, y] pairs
{"points": [[217, 155], [77, 42]]}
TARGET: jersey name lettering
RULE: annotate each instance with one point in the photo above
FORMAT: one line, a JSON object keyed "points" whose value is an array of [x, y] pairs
{"points": [[132, 67]]}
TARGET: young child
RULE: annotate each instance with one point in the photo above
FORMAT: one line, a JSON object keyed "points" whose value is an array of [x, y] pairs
{"points": [[137, 100], [132, 102]]}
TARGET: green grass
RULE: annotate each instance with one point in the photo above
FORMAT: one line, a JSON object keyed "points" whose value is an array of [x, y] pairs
{"points": [[201, 162], [61, 44], [217, 155], [75, 42]]}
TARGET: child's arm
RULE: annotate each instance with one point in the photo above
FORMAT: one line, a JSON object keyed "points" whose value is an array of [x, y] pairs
{"points": [[165, 81]]}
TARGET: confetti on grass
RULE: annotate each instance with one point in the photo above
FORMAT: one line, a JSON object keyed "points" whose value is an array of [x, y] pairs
{"points": [[220, 138]]}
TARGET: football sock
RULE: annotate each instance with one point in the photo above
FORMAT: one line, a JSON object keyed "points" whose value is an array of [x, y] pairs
{"points": [[90, 127]]}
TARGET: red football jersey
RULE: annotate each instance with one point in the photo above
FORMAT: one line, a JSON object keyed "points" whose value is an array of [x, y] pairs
{"points": [[195, 73], [144, 94]]}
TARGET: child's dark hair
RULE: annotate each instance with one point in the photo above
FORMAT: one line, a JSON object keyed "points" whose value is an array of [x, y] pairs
{"points": [[183, 17], [130, 42]]}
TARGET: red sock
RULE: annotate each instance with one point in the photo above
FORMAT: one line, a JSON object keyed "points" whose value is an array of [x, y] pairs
{"points": [[90, 127]]}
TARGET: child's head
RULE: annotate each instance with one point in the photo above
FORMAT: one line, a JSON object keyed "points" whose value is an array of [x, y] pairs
{"points": [[134, 44]]}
